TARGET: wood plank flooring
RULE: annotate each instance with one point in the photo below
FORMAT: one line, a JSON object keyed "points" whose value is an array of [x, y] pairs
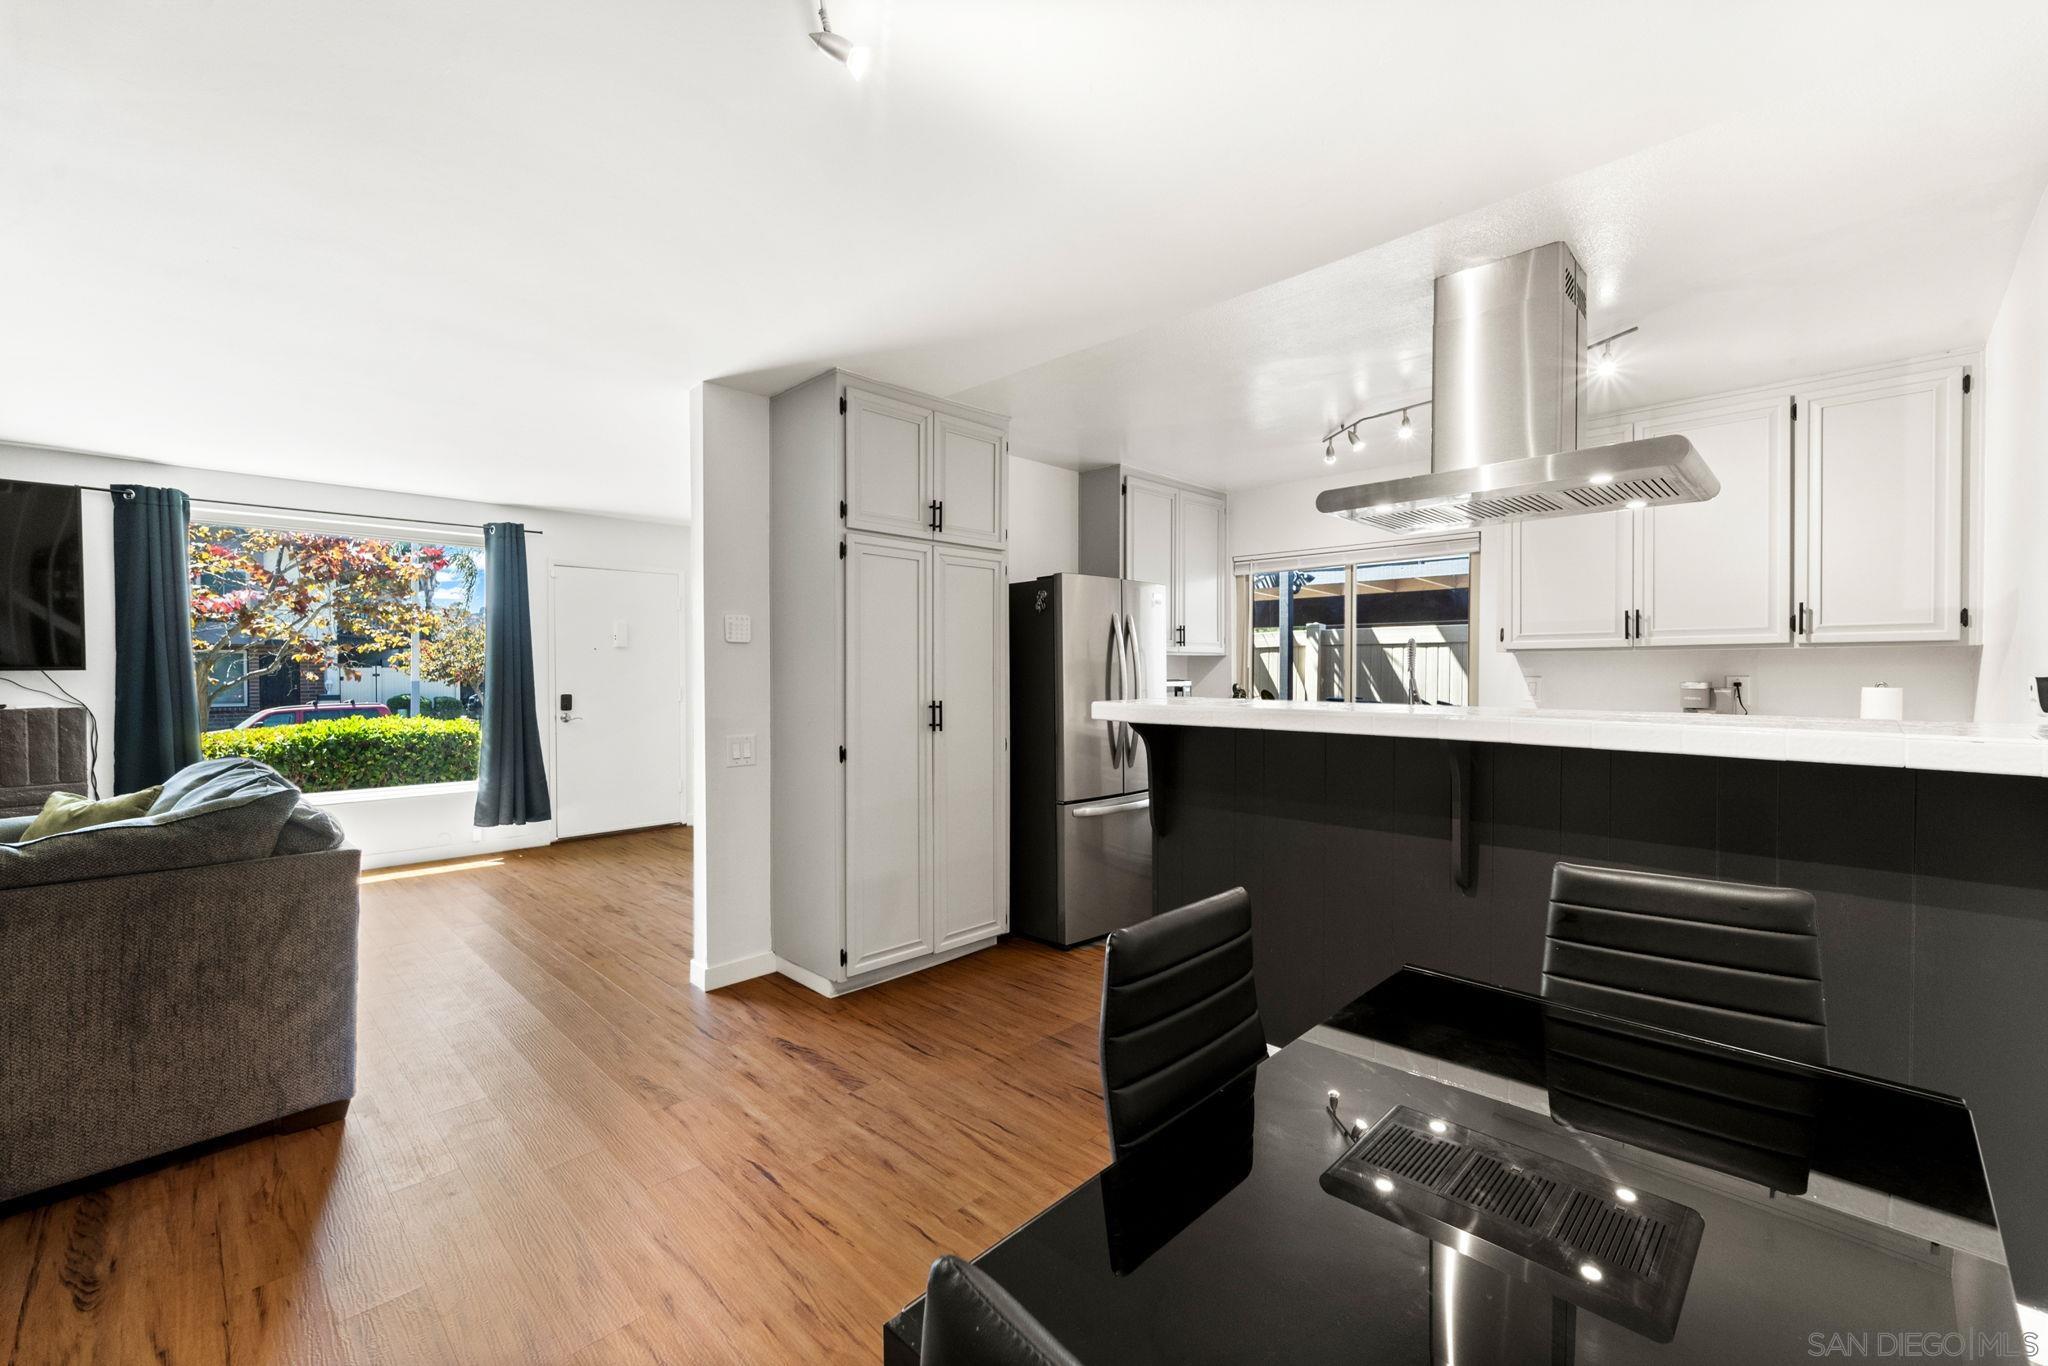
{"points": [[561, 1152]]}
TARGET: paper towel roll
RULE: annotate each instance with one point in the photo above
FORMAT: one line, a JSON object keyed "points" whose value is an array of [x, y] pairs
{"points": [[1884, 704]]}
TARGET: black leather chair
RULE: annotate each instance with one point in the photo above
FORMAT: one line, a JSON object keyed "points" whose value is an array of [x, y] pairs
{"points": [[1727, 961], [969, 1320], [1180, 1017]]}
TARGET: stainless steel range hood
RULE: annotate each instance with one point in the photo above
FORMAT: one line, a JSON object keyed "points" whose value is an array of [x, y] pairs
{"points": [[1509, 346]]}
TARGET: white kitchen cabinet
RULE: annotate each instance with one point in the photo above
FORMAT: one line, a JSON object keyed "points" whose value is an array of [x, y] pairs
{"points": [[1880, 509], [1720, 572], [1839, 520], [888, 465], [1201, 602], [889, 748], [967, 481], [915, 471], [889, 697], [1571, 580], [1137, 527], [970, 774]]}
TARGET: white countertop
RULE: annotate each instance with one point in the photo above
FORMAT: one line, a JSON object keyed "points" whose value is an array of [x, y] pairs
{"points": [[1951, 746]]}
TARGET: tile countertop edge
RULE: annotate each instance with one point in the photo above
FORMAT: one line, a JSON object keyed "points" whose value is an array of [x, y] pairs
{"points": [[1938, 746]]}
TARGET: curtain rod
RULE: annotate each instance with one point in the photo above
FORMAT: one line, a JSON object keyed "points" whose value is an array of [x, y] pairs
{"points": [[316, 512]]}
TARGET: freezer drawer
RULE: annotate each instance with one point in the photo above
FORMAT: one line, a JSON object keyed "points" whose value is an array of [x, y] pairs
{"points": [[1105, 866]]}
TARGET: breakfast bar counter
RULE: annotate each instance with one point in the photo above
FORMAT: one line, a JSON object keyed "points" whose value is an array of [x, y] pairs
{"points": [[1371, 837]]}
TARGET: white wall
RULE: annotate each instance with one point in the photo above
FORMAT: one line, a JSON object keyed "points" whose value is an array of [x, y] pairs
{"points": [[1045, 519], [1940, 680], [729, 685], [388, 830], [2015, 450]]}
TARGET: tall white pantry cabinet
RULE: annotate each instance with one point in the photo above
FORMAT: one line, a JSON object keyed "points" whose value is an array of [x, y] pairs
{"points": [[890, 606]]}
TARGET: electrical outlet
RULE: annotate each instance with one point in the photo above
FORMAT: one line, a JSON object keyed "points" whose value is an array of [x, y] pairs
{"points": [[1748, 692]]}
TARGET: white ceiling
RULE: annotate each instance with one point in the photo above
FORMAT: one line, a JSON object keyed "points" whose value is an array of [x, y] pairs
{"points": [[485, 247]]}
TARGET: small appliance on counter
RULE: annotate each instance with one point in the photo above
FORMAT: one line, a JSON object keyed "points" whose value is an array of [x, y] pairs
{"points": [[1179, 687], [1695, 697], [1080, 814]]}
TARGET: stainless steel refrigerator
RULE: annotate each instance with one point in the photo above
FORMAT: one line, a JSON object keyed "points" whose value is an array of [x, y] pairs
{"points": [[1081, 823]]}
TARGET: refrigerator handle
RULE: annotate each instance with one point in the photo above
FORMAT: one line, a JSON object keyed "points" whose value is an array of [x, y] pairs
{"points": [[1135, 685], [1112, 690]]}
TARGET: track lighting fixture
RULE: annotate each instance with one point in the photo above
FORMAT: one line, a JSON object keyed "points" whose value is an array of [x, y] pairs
{"points": [[1604, 365], [839, 48], [1353, 431]]}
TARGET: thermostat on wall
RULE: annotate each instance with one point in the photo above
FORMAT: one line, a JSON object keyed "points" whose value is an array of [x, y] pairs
{"points": [[739, 628]]}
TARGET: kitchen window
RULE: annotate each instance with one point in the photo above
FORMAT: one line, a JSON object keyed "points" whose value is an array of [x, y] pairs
{"points": [[1360, 626]]}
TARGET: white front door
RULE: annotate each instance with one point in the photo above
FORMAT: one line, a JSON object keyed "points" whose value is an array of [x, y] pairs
{"points": [[617, 712]]}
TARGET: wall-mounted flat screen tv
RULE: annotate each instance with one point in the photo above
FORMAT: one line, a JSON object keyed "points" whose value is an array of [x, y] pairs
{"points": [[42, 577]]}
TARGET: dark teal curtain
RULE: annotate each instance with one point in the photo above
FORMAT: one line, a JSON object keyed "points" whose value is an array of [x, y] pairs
{"points": [[512, 789], [156, 701]]}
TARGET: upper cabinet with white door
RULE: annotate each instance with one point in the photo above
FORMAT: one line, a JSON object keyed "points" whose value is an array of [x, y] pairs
{"points": [[1839, 520], [1880, 509], [889, 603], [914, 469], [1134, 526], [1572, 580]]}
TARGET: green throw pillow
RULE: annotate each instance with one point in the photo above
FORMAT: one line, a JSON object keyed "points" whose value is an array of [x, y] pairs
{"points": [[69, 811]]}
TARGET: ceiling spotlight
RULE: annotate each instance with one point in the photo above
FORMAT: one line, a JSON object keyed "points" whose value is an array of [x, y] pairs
{"points": [[1625, 1195], [1603, 364], [1437, 1126], [1407, 432], [1351, 435], [1330, 451], [1382, 1185], [1591, 1272], [839, 48]]}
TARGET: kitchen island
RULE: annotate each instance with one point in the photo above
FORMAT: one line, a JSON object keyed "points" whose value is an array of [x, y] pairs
{"points": [[1375, 836]]}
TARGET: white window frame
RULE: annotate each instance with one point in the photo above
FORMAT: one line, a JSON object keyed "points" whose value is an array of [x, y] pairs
{"points": [[1349, 558], [362, 528]]}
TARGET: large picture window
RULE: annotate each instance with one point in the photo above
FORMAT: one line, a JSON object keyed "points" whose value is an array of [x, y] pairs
{"points": [[343, 661], [1360, 628]]}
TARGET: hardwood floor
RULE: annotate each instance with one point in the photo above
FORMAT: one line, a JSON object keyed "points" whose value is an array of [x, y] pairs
{"points": [[561, 1152]]}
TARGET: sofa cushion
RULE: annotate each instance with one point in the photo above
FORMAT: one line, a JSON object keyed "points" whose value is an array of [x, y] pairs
{"points": [[308, 831], [214, 811], [70, 811]]}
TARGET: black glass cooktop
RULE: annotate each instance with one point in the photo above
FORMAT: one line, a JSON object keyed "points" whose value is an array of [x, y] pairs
{"points": [[1827, 1205]]}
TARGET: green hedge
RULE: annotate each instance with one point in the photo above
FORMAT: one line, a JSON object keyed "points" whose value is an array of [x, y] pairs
{"points": [[358, 751]]}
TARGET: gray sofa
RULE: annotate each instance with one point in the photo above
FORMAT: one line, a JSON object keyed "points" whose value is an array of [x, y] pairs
{"points": [[174, 979]]}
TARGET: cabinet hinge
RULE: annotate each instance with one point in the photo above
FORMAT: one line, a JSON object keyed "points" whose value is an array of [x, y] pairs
{"points": [[1966, 381], [842, 410], [1966, 616], [842, 754], [842, 509], [1795, 410], [842, 550]]}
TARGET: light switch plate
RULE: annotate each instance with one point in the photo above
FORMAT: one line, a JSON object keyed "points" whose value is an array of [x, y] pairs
{"points": [[739, 628], [739, 750]]}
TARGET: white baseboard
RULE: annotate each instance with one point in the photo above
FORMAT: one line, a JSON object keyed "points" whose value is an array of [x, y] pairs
{"points": [[825, 986], [530, 837], [711, 976]]}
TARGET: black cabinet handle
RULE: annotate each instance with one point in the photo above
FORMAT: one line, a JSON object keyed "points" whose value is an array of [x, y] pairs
{"points": [[1639, 623], [942, 715], [1625, 635], [942, 516], [931, 716], [931, 515]]}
